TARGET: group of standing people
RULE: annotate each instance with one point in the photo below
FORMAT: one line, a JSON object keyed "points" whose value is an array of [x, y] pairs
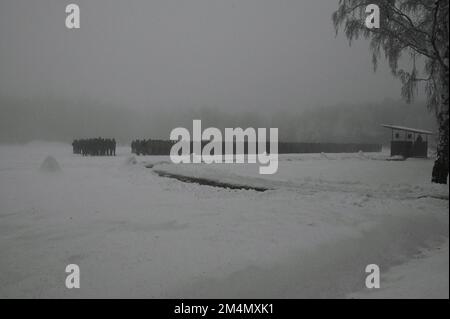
{"points": [[95, 146], [151, 147], [107, 147]]}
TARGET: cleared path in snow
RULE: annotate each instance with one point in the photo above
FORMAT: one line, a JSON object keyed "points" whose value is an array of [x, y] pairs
{"points": [[331, 270]]}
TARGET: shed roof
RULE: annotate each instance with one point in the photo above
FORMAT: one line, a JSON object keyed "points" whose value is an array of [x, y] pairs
{"points": [[407, 129]]}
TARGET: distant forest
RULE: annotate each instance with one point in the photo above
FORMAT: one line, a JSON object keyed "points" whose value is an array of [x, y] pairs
{"points": [[25, 120]]}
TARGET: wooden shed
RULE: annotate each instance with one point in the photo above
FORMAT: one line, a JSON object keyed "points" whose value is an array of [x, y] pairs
{"points": [[409, 142]]}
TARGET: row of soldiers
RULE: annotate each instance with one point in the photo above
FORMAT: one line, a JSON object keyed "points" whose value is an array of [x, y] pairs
{"points": [[151, 147], [95, 147]]}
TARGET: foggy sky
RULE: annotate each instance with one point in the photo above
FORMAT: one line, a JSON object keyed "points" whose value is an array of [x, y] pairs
{"points": [[171, 55]]}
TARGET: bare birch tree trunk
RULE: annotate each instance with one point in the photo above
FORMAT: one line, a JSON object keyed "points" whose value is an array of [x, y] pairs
{"points": [[440, 169]]}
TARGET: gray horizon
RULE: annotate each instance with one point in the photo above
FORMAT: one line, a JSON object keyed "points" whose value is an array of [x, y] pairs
{"points": [[253, 59]]}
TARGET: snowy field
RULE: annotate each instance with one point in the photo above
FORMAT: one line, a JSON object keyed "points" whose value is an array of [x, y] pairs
{"points": [[135, 233]]}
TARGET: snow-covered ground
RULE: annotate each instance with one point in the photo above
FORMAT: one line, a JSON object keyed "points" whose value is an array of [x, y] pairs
{"points": [[136, 234]]}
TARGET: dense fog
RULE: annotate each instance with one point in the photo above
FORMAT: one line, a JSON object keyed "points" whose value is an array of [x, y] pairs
{"points": [[138, 69], [25, 120]]}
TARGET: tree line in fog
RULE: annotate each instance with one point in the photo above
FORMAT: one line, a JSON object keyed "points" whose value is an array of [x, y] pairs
{"points": [[25, 120]]}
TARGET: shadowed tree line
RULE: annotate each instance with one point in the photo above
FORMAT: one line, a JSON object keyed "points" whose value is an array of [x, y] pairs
{"points": [[163, 147]]}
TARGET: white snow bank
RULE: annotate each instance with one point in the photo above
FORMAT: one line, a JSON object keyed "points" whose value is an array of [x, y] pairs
{"points": [[348, 173]]}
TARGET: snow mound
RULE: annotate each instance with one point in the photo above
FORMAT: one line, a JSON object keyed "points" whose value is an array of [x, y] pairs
{"points": [[131, 160], [50, 165]]}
